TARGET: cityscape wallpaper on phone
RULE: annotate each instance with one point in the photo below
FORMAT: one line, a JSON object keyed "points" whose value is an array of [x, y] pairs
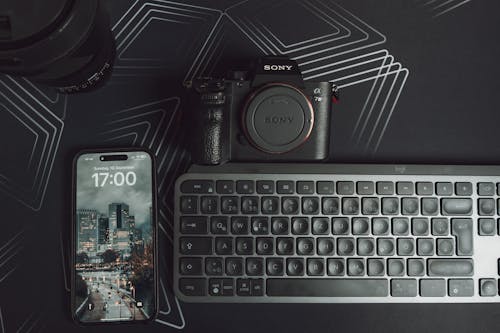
{"points": [[114, 238]]}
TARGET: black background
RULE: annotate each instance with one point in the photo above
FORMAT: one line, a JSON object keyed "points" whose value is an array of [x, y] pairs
{"points": [[447, 113]]}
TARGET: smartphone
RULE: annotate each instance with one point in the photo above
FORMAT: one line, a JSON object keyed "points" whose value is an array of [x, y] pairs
{"points": [[114, 237]]}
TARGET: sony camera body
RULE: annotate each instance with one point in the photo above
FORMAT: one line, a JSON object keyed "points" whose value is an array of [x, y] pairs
{"points": [[267, 114]]}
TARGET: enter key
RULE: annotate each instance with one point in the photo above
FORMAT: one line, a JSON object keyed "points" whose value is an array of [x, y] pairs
{"points": [[463, 231]]}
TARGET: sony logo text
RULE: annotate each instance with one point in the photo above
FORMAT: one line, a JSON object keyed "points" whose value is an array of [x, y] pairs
{"points": [[278, 67]]}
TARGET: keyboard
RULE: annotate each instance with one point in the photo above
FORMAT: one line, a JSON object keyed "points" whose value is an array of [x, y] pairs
{"points": [[326, 233]]}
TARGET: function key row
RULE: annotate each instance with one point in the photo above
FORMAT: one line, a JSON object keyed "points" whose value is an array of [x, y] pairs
{"points": [[340, 187]]}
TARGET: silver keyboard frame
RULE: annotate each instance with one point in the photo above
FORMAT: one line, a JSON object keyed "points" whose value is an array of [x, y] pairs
{"points": [[486, 248]]}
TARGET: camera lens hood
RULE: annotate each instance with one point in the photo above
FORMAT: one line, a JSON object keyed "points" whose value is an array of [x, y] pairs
{"points": [[278, 118]]}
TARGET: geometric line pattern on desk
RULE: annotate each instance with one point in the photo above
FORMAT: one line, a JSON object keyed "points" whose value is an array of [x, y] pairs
{"points": [[37, 112], [194, 21], [441, 7]]}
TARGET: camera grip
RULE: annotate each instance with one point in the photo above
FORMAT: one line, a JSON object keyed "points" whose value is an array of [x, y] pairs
{"points": [[208, 137]]}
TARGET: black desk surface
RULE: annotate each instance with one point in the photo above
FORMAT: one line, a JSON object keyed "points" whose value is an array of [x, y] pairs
{"points": [[420, 84]]}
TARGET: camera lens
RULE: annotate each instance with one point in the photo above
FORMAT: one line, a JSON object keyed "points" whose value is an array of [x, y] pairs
{"points": [[278, 118], [65, 44]]}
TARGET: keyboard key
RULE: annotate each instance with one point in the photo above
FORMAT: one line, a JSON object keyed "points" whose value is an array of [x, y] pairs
{"points": [[243, 287], [275, 266], [404, 188], [406, 246], [487, 227], [345, 246], [193, 287], [462, 230], [224, 245], [265, 246], [197, 186], [355, 267], [315, 267], [385, 188], [234, 266], [215, 287], [488, 287], [196, 245], [280, 225], [440, 227], [450, 267], [425, 246], [432, 287], [376, 267], [453, 207], [486, 189], [419, 226], [229, 205], [325, 246], [325, 187], [345, 188], [360, 226], [305, 246], [305, 187], [227, 287], [244, 245], [390, 206], [425, 188], [330, 206], [209, 205], [260, 225], [350, 206], [214, 266], [194, 225], [380, 226], [340, 225], [300, 225], [328, 287], [445, 188], [257, 286], [460, 287], [365, 188], [190, 266], [385, 246], [409, 206], [366, 246], [218, 225], [249, 205], [285, 246], [245, 187], [310, 205], [295, 266], [320, 226], [395, 267], [335, 266], [403, 287], [370, 206], [430, 206], [400, 226], [445, 247], [416, 267], [285, 187], [289, 205], [270, 205], [239, 225], [265, 187], [189, 204], [463, 189], [486, 207], [225, 186]]}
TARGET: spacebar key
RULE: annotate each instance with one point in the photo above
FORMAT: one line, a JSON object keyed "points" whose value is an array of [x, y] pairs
{"points": [[328, 287]]}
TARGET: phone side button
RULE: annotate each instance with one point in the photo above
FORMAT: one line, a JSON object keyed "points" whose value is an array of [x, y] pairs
{"points": [[193, 287]]}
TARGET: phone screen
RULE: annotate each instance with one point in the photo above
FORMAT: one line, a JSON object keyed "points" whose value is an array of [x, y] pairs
{"points": [[114, 237]]}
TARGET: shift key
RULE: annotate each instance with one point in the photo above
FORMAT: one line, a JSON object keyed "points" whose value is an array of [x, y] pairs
{"points": [[196, 245]]}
